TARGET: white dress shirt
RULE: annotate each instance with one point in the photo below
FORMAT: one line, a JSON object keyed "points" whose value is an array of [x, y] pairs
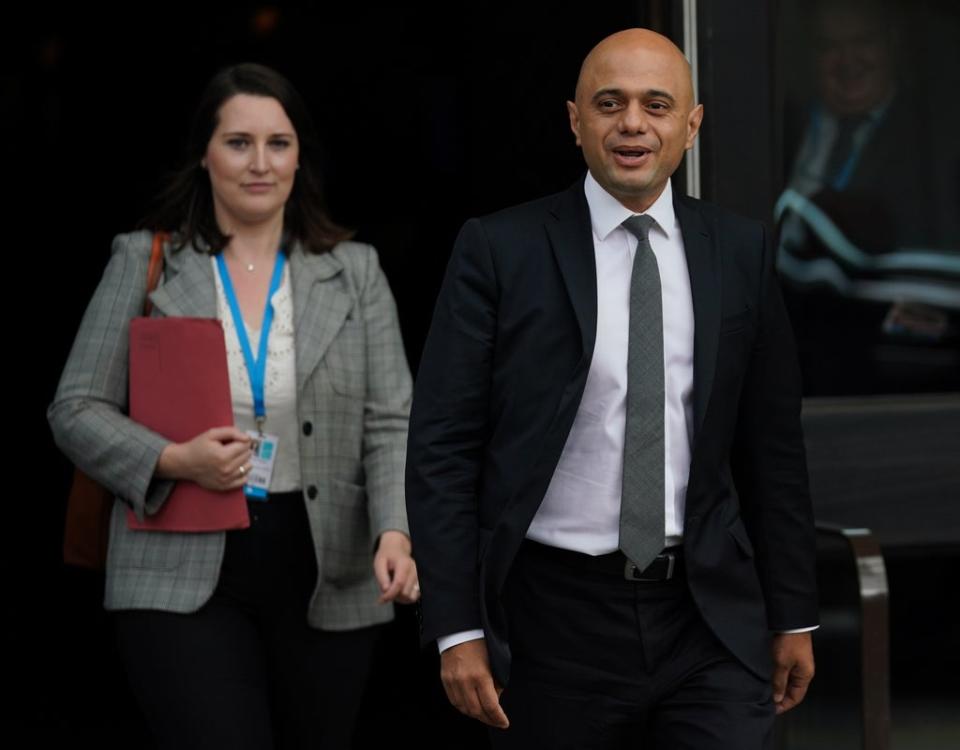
{"points": [[581, 509]]}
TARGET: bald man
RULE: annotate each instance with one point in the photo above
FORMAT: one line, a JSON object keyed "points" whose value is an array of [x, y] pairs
{"points": [[615, 553]]}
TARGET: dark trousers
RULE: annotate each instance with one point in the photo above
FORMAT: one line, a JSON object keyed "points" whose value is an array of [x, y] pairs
{"points": [[602, 662], [246, 670]]}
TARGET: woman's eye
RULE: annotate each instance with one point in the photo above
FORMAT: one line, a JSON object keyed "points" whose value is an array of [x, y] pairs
{"points": [[237, 143], [280, 144]]}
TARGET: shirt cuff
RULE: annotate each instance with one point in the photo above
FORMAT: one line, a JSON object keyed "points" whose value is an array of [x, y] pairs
{"points": [[797, 630], [455, 639]]}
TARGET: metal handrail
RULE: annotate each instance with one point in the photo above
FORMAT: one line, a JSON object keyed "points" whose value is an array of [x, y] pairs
{"points": [[874, 633]]}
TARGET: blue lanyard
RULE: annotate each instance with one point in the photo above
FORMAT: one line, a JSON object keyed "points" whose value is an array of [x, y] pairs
{"points": [[256, 368]]}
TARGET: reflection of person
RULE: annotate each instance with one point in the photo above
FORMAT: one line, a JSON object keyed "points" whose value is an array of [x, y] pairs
{"points": [[855, 67], [857, 155], [246, 638], [869, 209], [543, 419]]}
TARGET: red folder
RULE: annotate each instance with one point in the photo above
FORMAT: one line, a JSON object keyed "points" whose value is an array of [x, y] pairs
{"points": [[179, 387]]}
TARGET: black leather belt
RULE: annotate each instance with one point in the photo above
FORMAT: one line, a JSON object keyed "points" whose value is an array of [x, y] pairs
{"points": [[666, 566]]}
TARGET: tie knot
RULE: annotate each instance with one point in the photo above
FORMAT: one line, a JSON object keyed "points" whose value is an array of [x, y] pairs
{"points": [[639, 226]]}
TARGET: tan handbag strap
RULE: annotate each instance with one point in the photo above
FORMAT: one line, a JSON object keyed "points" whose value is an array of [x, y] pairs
{"points": [[154, 269]]}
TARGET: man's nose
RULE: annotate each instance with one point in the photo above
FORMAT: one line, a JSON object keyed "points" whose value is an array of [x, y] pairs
{"points": [[634, 118]]}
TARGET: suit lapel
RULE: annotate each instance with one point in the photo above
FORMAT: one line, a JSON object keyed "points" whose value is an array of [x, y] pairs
{"points": [[571, 238], [319, 307], [188, 289], [703, 265]]}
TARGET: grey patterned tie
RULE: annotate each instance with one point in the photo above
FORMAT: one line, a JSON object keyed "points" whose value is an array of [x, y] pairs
{"points": [[642, 500]]}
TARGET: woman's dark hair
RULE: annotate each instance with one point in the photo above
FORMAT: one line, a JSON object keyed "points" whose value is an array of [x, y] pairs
{"points": [[185, 204]]}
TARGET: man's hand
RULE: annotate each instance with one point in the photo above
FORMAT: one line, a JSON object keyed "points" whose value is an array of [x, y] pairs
{"points": [[465, 673], [792, 668]]}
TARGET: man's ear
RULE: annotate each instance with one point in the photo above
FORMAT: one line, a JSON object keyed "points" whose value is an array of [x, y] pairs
{"points": [[574, 115]]}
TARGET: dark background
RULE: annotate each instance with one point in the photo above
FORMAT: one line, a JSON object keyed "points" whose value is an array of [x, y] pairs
{"points": [[430, 117]]}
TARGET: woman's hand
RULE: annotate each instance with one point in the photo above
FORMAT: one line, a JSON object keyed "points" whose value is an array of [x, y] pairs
{"points": [[218, 459], [395, 569]]}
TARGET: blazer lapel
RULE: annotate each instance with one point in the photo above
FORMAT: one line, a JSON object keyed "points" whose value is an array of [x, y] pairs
{"points": [[571, 238], [704, 269], [320, 307], [188, 289]]}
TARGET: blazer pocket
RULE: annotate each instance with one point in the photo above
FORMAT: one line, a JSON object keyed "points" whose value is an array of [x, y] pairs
{"points": [[347, 548], [735, 322], [145, 550], [739, 533], [345, 362]]}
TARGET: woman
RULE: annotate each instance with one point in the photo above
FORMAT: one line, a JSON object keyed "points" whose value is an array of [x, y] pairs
{"points": [[260, 637]]}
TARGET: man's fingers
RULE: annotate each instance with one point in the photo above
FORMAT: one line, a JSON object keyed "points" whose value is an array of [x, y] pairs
{"points": [[793, 669], [795, 692], [462, 696], [466, 677], [478, 700], [779, 683], [490, 705]]}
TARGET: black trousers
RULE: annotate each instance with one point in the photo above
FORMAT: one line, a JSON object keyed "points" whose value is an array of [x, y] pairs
{"points": [[246, 670], [602, 662]]}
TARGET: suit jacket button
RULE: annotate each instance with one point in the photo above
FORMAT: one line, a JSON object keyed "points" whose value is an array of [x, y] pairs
{"points": [[312, 492], [307, 428]]}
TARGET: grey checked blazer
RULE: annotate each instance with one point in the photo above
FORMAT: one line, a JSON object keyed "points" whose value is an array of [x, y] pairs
{"points": [[353, 387]]}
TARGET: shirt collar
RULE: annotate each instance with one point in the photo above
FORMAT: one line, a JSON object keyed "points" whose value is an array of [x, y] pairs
{"points": [[607, 213]]}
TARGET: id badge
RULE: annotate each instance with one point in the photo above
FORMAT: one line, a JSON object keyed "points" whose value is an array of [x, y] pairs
{"points": [[264, 449]]}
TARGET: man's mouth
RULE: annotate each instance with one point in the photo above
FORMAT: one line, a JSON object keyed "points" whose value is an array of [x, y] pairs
{"points": [[631, 156]]}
